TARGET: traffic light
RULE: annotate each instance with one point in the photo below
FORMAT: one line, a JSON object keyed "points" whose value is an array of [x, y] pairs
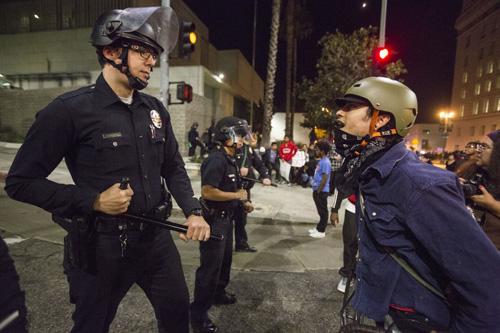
{"points": [[380, 58], [187, 38], [184, 92]]}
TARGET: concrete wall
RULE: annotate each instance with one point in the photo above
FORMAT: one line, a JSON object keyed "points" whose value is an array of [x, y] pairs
{"points": [[300, 134], [37, 52], [18, 107]]}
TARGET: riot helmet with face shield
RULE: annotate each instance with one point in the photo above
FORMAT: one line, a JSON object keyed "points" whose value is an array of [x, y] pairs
{"points": [[231, 128]]}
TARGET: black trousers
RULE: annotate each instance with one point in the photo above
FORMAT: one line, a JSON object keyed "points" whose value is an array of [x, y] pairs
{"points": [[192, 148], [240, 223], [321, 202], [212, 277], [11, 295], [152, 261], [350, 240], [276, 167]]}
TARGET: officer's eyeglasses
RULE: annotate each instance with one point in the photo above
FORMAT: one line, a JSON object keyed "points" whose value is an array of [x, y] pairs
{"points": [[351, 106], [145, 52]]}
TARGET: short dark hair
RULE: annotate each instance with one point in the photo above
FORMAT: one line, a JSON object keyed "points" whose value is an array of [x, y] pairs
{"points": [[323, 146]]}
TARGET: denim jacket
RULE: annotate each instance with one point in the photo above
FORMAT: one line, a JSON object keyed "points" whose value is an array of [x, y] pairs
{"points": [[419, 210]]}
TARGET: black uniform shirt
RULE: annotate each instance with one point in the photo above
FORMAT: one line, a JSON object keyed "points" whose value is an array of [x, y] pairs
{"points": [[102, 140], [247, 157], [220, 171]]}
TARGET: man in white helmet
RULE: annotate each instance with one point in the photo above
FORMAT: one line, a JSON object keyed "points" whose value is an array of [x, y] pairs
{"points": [[418, 244]]}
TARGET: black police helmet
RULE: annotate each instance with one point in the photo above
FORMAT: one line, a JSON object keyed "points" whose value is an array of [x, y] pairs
{"points": [[156, 27], [227, 127]]}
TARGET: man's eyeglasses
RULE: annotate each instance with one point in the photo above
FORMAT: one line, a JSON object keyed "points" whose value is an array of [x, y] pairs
{"points": [[145, 52], [351, 106]]}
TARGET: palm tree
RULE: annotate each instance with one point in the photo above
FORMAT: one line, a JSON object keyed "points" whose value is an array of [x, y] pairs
{"points": [[271, 73], [290, 37]]}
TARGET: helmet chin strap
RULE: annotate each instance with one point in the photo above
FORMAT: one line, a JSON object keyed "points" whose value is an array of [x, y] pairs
{"points": [[133, 81], [374, 133]]}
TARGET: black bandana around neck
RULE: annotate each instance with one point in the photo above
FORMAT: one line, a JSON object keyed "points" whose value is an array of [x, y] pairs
{"points": [[357, 159]]}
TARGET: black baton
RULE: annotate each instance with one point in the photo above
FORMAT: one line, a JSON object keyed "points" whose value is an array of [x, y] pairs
{"points": [[164, 223], [257, 180]]}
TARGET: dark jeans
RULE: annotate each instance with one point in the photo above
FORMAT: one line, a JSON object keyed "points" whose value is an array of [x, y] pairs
{"points": [[151, 260], [321, 202], [11, 295], [276, 167], [212, 277], [350, 240]]}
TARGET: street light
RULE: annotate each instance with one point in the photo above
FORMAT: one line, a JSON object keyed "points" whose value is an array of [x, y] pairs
{"points": [[444, 116]]}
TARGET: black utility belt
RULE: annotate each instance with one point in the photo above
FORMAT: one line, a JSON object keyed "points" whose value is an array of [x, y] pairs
{"points": [[109, 224]]}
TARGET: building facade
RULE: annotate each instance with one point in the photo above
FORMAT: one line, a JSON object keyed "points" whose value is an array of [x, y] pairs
{"points": [[46, 50], [476, 82], [426, 138]]}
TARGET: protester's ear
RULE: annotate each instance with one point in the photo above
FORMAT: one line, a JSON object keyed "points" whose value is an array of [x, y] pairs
{"points": [[382, 120]]}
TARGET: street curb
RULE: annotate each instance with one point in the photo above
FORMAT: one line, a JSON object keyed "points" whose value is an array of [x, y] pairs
{"points": [[10, 145]]}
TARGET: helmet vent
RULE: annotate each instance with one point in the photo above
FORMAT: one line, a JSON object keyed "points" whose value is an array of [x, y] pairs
{"points": [[357, 85]]}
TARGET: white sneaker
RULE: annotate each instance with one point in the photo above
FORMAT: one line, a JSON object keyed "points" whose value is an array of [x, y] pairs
{"points": [[318, 234], [313, 231], [342, 285]]}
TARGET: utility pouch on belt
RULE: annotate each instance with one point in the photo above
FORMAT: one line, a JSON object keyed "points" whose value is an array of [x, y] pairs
{"points": [[80, 244]]}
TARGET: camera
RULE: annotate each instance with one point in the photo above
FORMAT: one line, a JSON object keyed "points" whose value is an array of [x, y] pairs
{"points": [[471, 186]]}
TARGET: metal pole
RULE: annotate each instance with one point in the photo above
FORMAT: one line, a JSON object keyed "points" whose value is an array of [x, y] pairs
{"points": [[383, 15], [164, 69], [253, 58]]}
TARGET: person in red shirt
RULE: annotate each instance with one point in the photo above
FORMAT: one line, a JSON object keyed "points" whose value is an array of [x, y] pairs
{"points": [[286, 152], [287, 149]]}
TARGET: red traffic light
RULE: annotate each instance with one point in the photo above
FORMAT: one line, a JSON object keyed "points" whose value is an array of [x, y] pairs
{"points": [[383, 53]]}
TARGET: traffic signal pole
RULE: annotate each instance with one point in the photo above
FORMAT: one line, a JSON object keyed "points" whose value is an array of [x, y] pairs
{"points": [[164, 70], [383, 15]]}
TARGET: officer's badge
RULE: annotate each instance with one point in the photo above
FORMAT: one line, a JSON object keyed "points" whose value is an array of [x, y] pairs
{"points": [[155, 118]]}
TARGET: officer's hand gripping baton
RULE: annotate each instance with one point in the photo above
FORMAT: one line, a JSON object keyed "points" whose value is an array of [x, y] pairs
{"points": [[163, 223]]}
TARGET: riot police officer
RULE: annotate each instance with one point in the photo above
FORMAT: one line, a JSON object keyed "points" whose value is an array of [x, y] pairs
{"points": [[221, 194], [247, 158], [105, 132]]}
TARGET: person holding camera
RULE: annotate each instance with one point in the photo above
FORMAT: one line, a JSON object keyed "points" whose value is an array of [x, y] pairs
{"points": [[487, 193]]}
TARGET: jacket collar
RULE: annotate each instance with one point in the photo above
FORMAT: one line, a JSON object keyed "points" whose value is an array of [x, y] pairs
{"points": [[385, 164], [105, 96]]}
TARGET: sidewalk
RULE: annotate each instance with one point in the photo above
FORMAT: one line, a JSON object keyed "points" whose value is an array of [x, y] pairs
{"points": [[283, 204]]}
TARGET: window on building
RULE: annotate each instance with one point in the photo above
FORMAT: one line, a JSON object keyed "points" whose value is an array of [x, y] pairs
{"points": [[497, 83], [475, 108], [487, 86], [489, 67], [477, 89], [463, 93], [462, 110], [24, 24], [426, 131], [465, 77], [479, 71], [483, 31], [486, 106], [493, 127], [472, 131], [483, 129], [492, 48], [466, 61]]}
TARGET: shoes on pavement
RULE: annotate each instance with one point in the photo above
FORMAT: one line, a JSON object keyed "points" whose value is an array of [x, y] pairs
{"points": [[245, 248], [224, 298], [203, 326], [343, 284], [318, 234], [313, 231]]}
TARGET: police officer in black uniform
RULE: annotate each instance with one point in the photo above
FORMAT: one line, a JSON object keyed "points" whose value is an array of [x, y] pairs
{"points": [[247, 159], [106, 132], [222, 193]]}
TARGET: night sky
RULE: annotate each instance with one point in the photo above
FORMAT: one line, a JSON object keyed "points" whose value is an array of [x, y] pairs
{"points": [[422, 32]]}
